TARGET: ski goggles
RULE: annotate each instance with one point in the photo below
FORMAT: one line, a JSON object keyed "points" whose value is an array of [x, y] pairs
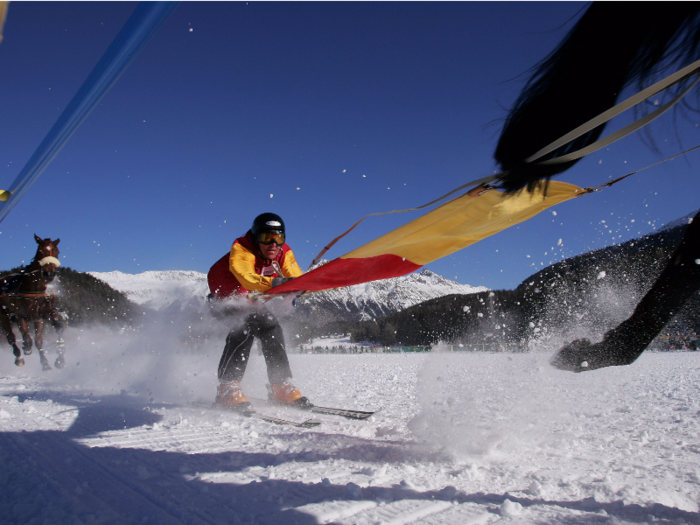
{"points": [[270, 237]]}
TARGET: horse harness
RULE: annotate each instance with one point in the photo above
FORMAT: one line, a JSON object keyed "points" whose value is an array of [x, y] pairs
{"points": [[11, 284]]}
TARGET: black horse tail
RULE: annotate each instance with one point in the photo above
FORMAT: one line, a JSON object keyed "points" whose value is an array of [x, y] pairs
{"points": [[612, 46]]}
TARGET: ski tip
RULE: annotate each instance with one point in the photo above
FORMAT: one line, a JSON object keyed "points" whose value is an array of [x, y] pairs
{"points": [[346, 413], [310, 423]]}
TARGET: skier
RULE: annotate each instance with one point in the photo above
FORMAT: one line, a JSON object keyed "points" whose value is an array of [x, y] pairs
{"points": [[258, 261]]}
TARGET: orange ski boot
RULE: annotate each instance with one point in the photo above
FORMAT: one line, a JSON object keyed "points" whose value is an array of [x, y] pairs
{"points": [[230, 395], [287, 394]]}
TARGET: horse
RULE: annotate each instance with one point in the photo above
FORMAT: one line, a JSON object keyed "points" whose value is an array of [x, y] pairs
{"points": [[24, 300], [614, 45]]}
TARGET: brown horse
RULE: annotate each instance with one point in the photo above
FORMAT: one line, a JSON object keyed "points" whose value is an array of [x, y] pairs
{"points": [[24, 299]]}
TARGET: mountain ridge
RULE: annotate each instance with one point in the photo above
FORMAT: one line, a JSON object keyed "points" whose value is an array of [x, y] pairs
{"points": [[170, 288]]}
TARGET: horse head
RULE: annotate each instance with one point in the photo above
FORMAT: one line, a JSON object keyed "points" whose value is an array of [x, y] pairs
{"points": [[47, 257]]}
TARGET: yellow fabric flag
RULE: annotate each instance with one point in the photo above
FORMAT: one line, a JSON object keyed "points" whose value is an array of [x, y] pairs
{"points": [[463, 221], [455, 225]]}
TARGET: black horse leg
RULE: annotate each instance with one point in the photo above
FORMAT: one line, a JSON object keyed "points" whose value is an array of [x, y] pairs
{"points": [[45, 366], [61, 345], [6, 326], [27, 342], [624, 344], [39, 342], [19, 360], [60, 360]]}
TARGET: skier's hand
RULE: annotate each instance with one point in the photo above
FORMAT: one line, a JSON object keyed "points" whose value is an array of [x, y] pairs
{"points": [[280, 280]]}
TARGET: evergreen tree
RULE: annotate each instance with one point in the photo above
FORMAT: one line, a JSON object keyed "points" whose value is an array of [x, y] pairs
{"points": [[388, 335]]}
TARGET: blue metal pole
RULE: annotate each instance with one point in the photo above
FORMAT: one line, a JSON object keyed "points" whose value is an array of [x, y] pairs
{"points": [[142, 24]]}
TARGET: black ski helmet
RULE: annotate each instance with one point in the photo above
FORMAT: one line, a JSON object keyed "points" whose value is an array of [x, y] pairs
{"points": [[267, 222]]}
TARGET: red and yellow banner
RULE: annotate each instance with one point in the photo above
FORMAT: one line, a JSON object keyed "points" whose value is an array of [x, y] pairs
{"points": [[456, 224]]}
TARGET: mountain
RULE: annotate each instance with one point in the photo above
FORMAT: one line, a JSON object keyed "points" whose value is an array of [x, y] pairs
{"points": [[158, 289], [366, 301], [172, 289]]}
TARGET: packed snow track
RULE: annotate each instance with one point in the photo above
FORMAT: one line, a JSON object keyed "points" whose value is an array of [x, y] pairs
{"points": [[460, 439]]}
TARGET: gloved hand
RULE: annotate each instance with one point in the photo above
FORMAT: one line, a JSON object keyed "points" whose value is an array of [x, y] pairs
{"points": [[280, 280]]}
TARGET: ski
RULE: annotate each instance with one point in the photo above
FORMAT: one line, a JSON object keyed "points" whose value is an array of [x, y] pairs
{"points": [[343, 412], [309, 423]]}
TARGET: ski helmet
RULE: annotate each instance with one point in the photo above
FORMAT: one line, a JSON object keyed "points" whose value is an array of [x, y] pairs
{"points": [[267, 223]]}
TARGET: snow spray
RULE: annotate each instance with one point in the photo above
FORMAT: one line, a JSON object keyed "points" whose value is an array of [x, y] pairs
{"points": [[479, 406], [171, 357]]}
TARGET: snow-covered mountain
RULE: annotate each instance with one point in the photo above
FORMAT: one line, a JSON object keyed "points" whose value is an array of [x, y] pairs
{"points": [[158, 289], [161, 289], [378, 298]]}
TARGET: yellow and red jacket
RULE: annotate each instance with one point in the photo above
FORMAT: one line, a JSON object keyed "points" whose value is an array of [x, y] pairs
{"points": [[244, 269]]}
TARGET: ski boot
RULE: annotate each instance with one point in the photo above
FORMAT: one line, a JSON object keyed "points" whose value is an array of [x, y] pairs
{"points": [[287, 394], [230, 395]]}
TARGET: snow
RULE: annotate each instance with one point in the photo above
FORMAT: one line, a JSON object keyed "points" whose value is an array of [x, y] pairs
{"points": [[460, 438]]}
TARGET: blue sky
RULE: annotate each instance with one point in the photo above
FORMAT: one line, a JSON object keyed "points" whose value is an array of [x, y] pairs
{"points": [[320, 112]]}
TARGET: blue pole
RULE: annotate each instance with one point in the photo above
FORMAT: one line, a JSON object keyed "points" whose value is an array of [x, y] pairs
{"points": [[142, 24]]}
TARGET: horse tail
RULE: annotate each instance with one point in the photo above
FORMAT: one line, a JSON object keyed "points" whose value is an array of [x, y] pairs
{"points": [[612, 46]]}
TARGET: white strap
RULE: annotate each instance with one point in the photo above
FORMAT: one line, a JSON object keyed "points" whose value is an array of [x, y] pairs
{"points": [[688, 71]]}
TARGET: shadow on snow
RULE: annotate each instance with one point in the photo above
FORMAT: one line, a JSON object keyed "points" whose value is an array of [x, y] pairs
{"points": [[48, 475]]}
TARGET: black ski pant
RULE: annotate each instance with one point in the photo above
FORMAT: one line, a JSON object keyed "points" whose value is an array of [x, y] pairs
{"points": [[264, 326]]}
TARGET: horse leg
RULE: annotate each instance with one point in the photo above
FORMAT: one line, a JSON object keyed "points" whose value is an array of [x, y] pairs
{"points": [[39, 342], [60, 360], [624, 344], [55, 320], [6, 326], [27, 342]]}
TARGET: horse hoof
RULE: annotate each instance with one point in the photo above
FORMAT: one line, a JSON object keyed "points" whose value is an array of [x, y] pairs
{"points": [[60, 362], [577, 356], [27, 351], [19, 361], [45, 367]]}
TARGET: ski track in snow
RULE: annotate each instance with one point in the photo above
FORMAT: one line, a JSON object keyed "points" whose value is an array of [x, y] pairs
{"points": [[460, 439]]}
